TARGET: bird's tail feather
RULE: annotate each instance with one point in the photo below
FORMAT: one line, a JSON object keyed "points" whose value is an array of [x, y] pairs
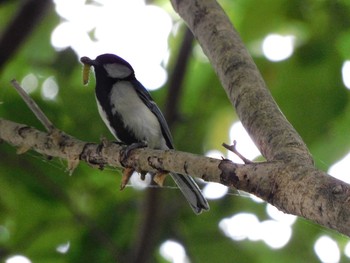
{"points": [[191, 191]]}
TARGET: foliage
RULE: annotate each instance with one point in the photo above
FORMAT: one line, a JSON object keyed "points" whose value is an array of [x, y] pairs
{"points": [[42, 207]]}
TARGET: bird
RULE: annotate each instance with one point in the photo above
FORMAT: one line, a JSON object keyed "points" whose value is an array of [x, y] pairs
{"points": [[132, 116]]}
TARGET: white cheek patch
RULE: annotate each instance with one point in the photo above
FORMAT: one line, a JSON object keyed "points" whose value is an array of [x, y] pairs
{"points": [[117, 71]]}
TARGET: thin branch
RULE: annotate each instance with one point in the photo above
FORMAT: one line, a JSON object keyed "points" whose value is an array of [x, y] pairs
{"points": [[233, 149], [176, 78], [29, 15], [33, 106]]}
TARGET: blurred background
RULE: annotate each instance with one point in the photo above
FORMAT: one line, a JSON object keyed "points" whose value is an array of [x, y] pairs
{"points": [[303, 51]]}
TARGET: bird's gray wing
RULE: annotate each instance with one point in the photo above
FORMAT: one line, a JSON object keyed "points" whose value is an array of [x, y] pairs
{"points": [[145, 96]]}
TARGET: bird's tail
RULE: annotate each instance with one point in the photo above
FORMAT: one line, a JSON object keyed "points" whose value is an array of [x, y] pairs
{"points": [[191, 191]]}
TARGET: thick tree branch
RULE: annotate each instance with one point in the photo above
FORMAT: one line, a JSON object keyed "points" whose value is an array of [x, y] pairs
{"points": [[272, 133], [289, 178], [291, 187]]}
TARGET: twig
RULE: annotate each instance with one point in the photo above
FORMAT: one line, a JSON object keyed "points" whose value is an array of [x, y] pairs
{"points": [[28, 16], [233, 149], [33, 106], [177, 77]]}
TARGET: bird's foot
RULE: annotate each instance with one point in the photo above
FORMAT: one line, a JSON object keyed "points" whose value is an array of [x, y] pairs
{"points": [[103, 143], [119, 143], [129, 171], [132, 147]]}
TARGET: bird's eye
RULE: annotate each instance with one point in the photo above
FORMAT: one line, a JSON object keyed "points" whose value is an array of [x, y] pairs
{"points": [[86, 73]]}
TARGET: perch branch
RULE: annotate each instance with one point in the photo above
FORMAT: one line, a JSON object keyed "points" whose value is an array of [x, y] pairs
{"points": [[324, 201]]}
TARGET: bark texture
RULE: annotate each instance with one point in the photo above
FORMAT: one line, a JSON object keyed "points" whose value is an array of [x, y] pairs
{"points": [[242, 81]]}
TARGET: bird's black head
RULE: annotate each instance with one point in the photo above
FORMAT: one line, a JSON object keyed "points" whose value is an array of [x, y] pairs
{"points": [[111, 66]]}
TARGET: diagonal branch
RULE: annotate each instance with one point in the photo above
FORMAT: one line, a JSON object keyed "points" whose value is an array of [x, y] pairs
{"points": [[33, 106], [258, 112], [289, 178]]}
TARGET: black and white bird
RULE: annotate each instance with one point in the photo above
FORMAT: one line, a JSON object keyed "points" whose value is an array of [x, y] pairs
{"points": [[132, 116]]}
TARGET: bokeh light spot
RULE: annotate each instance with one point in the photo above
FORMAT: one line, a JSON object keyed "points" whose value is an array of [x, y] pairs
{"points": [[49, 89], [214, 191], [245, 145], [30, 83], [345, 71], [243, 226], [277, 47], [327, 250], [63, 248], [279, 216], [138, 183], [17, 259], [275, 234], [173, 251], [240, 226], [340, 169]]}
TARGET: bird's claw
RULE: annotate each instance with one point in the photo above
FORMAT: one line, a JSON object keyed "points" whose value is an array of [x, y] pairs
{"points": [[132, 147], [103, 143]]}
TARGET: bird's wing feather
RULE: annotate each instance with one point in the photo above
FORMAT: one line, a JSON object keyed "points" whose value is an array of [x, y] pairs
{"points": [[145, 96]]}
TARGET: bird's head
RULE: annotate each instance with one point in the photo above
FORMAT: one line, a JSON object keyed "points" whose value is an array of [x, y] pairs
{"points": [[108, 65]]}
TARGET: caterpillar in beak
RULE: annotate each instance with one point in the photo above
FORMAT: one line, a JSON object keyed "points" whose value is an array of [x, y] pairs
{"points": [[86, 73]]}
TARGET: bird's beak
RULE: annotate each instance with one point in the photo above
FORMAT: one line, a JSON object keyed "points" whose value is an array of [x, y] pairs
{"points": [[86, 69], [87, 61]]}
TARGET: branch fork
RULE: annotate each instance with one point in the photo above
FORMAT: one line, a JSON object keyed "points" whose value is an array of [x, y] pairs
{"points": [[233, 149]]}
